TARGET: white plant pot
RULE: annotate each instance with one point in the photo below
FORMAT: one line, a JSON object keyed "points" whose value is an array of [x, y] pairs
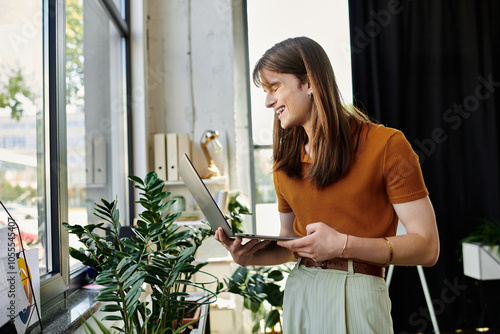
{"points": [[481, 262]]}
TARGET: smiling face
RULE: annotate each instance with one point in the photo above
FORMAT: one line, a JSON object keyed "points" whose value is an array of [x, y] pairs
{"points": [[289, 98]]}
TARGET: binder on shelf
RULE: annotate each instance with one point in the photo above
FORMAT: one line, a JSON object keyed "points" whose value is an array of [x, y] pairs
{"points": [[168, 149], [183, 146], [89, 160], [95, 162], [160, 160], [172, 156]]}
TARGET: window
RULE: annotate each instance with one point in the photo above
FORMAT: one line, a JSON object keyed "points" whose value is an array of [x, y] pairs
{"points": [[96, 114], [327, 22], [23, 139], [64, 122]]}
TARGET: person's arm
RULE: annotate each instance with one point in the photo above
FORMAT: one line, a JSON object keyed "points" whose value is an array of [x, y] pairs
{"points": [[420, 246], [260, 253]]}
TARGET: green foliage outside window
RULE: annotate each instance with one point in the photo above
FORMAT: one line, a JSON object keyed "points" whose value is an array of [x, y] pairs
{"points": [[12, 91], [74, 51]]}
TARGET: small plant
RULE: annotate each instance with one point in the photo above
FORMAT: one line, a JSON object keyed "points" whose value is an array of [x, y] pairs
{"points": [[261, 295], [257, 285], [487, 233], [160, 256], [236, 208]]}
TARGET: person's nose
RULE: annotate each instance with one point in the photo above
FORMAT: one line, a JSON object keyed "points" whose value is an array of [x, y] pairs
{"points": [[270, 100]]}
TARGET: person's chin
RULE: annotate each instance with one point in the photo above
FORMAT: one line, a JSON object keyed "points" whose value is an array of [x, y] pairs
{"points": [[284, 125]]}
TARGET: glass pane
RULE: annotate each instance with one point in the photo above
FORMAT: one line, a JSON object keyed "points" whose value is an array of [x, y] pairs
{"points": [[22, 124], [263, 176], [266, 206], [332, 34], [96, 113], [119, 5]]}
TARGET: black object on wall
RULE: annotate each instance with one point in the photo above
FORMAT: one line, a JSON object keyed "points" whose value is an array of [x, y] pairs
{"points": [[432, 70]]}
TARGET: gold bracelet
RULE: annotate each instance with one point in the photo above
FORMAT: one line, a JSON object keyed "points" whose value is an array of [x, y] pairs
{"points": [[345, 244], [390, 252]]}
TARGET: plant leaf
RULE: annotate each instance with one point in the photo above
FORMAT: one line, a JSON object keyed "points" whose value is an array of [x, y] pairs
{"points": [[101, 326], [112, 317], [136, 179], [111, 308], [272, 318], [108, 298], [136, 277], [124, 262], [128, 272], [276, 275]]}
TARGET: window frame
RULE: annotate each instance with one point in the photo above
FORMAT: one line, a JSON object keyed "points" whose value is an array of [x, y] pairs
{"points": [[60, 282], [54, 283]]}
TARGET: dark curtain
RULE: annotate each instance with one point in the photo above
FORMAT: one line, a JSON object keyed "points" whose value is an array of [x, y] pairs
{"points": [[432, 69]]}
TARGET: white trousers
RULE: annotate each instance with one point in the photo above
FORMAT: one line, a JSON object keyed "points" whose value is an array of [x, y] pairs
{"points": [[335, 302]]}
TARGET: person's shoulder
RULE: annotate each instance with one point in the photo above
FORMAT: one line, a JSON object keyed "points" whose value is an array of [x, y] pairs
{"points": [[381, 132]]}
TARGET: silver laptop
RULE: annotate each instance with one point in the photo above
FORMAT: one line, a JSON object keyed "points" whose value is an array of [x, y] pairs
{"points": [[208, 205]]}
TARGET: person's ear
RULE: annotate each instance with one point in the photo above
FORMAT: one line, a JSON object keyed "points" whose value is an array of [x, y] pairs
{"points": [[309, 89], [309, 86]]}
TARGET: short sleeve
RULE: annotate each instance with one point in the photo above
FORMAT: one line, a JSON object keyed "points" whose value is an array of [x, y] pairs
{"points": [[402, 172], [283, 205]]}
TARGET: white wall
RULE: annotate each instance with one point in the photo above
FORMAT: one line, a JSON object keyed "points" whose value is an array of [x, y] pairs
{"points": [[191, 73]]}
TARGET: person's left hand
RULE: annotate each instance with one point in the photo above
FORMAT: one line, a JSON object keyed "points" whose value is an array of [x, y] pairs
{"points": [[321, 243]]}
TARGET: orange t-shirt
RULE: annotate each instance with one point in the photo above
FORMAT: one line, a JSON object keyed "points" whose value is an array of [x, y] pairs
{"points": [[385, 171]]}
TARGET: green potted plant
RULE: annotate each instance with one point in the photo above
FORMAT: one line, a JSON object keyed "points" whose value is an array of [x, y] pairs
{"points": [[159, 258], [261, 295], [481, 251]]}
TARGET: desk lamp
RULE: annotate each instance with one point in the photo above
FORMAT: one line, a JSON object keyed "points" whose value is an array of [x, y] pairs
{"points": [[210, 136]]}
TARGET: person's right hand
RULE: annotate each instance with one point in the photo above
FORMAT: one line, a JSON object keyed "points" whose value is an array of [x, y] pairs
{"points": [[242, 253]]}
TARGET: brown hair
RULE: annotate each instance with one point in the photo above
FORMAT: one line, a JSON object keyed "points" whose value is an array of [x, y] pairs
{"points": [[332, 143]]}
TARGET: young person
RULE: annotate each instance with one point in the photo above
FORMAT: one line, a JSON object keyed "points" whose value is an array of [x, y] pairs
{"points": [[343, 183]]}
